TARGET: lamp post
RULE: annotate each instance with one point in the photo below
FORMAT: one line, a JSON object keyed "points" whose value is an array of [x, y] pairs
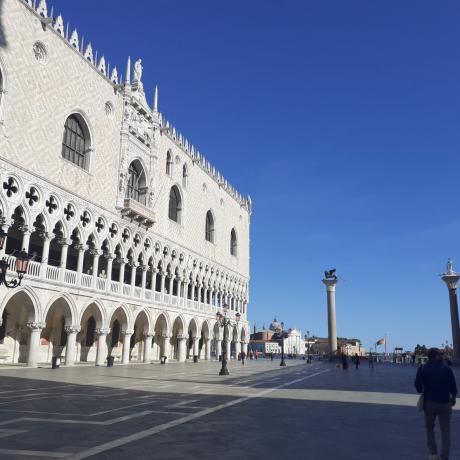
{"points": [[223, 321], [308, 346], [22, 262], [281, 332]]}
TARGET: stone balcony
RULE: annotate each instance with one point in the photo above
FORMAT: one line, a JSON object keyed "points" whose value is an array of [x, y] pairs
{"points": [[42, 275], [137, 212]]}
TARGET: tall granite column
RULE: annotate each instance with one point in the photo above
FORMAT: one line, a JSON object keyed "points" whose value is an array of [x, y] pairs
{"points": [[331, 314], [451, 278]]}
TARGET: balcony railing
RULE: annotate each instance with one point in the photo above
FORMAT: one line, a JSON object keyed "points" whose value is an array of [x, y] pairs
{"points": [[138, 212], [70, 278]]}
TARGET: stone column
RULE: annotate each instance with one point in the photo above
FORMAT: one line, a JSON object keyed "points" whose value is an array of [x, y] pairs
{"points": [[26, 232], [166, 345], [451, 279], [181, 351], [228, 345], [121, 279], [109, 258], [207, 345], [45, 253], [64, 242], [133, 276], [147, 347], [101, 354], [331, 314], [245, 347], [196, 346], [237, 348], [162, 285], [71, 346], [5, 228], [34, 343], [218, 348], [144, 279], [95, 253], [171, 285], [126, 346], [81, 254]]}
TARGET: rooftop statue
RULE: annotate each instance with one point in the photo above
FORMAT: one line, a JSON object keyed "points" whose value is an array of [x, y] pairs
{"points": [[330, 274], [138, 70], [450, 267]]}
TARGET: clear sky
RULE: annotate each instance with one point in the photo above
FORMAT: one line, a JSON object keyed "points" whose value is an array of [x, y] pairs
{"points": [[340, 119]]}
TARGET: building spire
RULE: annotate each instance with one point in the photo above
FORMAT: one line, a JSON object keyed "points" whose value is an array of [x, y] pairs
{"points": [[155, 99], [128, 71]]}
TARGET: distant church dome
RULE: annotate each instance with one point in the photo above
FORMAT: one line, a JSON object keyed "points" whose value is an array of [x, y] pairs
{"points": [[275, 326]]}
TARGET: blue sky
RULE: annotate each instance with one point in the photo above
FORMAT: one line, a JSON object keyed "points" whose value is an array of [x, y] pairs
{"points": [[341, 119]]}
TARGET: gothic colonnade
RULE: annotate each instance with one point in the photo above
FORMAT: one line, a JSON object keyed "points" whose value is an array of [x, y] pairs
{"points": [[32, 334]]}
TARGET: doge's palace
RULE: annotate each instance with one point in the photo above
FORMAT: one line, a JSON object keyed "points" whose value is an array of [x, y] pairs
{"points": [[136, 240]]}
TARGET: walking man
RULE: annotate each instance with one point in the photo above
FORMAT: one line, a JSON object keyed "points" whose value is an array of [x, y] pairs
{"points": [[356, 360], [243, 357], [437, 383]]}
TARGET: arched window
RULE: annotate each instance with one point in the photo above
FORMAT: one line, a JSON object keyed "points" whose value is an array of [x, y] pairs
{"points": [[76, 141], [175, 205], [90, 331], [115, 333], [169, 163], [209, 232], [184, 176], [3, 327], [233, 243], [136, 182]]}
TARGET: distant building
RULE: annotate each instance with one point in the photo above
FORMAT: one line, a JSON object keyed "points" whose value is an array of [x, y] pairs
{"points": [[320, 346], [269, 341]]}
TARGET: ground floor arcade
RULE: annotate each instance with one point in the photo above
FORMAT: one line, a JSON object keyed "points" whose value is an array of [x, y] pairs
{"points": [[37, 325]]}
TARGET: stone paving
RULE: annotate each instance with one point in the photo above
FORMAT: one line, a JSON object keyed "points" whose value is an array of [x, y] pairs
{"points": [[187, 411]]}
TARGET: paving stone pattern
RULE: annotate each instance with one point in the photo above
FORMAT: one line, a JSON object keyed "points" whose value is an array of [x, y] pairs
{"points": [[187, 411]]}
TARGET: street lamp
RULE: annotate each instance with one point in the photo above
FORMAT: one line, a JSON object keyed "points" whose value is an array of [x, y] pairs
{"points": [[22, 262], [223, 321], [281, 333], [308, 346]]}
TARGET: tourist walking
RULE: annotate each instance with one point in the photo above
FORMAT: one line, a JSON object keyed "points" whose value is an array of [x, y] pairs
{"points": [[371, 361], [243, 357], [436, 382], [344, 361], [357, 361]]}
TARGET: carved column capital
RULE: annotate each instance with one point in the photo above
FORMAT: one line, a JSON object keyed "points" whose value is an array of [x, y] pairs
{"points": [[102, 331], [73, 329], [128, 332], [36, 326]]}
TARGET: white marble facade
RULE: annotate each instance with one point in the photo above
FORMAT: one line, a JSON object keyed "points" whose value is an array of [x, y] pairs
{"points": [[136, 240]]}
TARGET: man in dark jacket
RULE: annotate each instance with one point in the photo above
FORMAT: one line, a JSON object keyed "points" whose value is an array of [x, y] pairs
{"points": [[437, 383]]}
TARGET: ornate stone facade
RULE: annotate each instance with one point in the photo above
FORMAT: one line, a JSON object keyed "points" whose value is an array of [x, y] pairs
{"points": [[120, 262]]}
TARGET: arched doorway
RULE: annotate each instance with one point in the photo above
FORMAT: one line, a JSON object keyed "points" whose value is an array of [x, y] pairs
{"points": [[161, 344], [91, 329], [19, 322], [178, 340], [116, 339], [53, 339], [192, 340], [141, 339]]}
